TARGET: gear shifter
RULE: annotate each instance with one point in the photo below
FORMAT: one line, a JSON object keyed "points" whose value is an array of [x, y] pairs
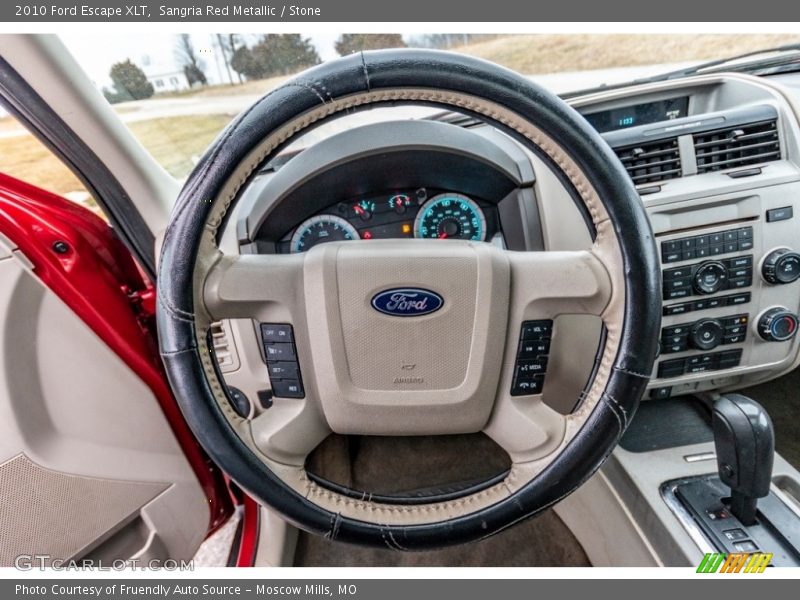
{"points": [[745, 445]]}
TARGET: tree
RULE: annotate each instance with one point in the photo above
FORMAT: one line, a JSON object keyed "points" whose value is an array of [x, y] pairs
{"points": [[130, 81], [244, 63], [348, 43], [275, 54], [193, 67]]}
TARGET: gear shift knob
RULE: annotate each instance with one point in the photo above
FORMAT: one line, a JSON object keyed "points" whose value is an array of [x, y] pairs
{"points": [[745, 445]]}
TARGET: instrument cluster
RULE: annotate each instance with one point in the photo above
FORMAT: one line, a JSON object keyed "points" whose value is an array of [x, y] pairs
{"points": [[411, 213]]}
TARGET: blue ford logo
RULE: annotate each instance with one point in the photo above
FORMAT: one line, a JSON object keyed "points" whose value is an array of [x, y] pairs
{"points": [[407, 302]]}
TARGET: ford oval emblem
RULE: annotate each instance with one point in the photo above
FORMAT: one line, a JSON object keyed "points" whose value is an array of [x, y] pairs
{"points": [[407, 302]]}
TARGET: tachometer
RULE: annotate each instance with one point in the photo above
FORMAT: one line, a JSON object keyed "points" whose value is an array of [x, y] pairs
{"points": [[321, 229], [450, 216]]}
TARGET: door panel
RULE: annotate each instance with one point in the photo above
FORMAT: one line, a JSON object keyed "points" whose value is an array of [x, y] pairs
{"points": [[94, 458]]}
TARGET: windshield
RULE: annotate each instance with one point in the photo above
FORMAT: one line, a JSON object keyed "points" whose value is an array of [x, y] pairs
{"points": [[176, 92]]}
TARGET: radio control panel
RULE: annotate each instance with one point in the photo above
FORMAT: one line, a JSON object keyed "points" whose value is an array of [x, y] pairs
{"points": [[729, 303]]}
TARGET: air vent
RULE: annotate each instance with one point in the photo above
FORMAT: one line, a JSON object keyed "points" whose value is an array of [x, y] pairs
{"points": [[737, 146], [224, 349], [651, 162]]}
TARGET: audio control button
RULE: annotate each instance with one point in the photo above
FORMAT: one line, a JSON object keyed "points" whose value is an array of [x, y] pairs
{"points": [[710, 277], [706, 334]]}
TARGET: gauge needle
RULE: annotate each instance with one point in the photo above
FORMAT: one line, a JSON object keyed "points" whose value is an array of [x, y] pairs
{"points": [[442, 236]]}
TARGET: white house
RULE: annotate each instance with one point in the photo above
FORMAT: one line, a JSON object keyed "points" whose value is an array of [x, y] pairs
{"points": [[163, 73]]}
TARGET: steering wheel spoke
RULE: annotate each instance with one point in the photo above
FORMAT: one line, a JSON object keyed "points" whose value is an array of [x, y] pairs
{"points": [[289, 430], [547, 284], [525, 427], [249, 286]]}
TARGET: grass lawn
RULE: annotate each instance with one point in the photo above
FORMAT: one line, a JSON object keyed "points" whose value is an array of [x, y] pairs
{"points": [[539, 54], [176, 142], [173, 141]]}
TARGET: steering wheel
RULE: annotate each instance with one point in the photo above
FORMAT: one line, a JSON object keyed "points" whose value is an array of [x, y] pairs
{"points": [[351, 354]]}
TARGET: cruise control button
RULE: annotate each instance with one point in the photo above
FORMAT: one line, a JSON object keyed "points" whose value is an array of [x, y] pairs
{"points": [[288, 388], [271, 332], [283, 370], [276, 352]]}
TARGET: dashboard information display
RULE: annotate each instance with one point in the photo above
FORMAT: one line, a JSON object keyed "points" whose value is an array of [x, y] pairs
{"points": [[639, 114], [399, 214]]}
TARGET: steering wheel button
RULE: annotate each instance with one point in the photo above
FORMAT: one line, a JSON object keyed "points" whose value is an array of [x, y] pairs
{"points": [[536, 330], [276, 352], [524, 387], [527, 368], [533, 348], [288, 388], [271, 332], [283, 370]]}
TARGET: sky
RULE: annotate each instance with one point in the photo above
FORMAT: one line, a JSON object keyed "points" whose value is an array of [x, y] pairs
{"points": [[118, 47]]}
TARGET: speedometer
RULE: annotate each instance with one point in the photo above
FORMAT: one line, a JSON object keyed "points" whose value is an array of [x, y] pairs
{"points": [[450, 216], [321, 229]]}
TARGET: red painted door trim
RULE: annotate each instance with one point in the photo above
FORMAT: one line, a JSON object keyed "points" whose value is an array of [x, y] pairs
{"points": [[77, 255]]}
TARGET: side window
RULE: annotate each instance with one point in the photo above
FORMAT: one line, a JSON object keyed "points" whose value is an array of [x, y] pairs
{"points": [[24, 157]]}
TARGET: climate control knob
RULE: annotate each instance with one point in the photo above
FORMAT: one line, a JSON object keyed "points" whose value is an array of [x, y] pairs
{"points": [[781, 266], [777, 325], [706, 334], [710, 277]]}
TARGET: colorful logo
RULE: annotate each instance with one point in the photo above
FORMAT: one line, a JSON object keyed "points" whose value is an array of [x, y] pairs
{"points": [[740, 562]]}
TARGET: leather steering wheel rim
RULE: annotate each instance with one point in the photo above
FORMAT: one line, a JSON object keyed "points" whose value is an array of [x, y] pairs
{"points": [[538, 119]]}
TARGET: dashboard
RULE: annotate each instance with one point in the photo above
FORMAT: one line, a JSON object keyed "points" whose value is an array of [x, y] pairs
{"points": [[716, 162], [425, 213]]}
